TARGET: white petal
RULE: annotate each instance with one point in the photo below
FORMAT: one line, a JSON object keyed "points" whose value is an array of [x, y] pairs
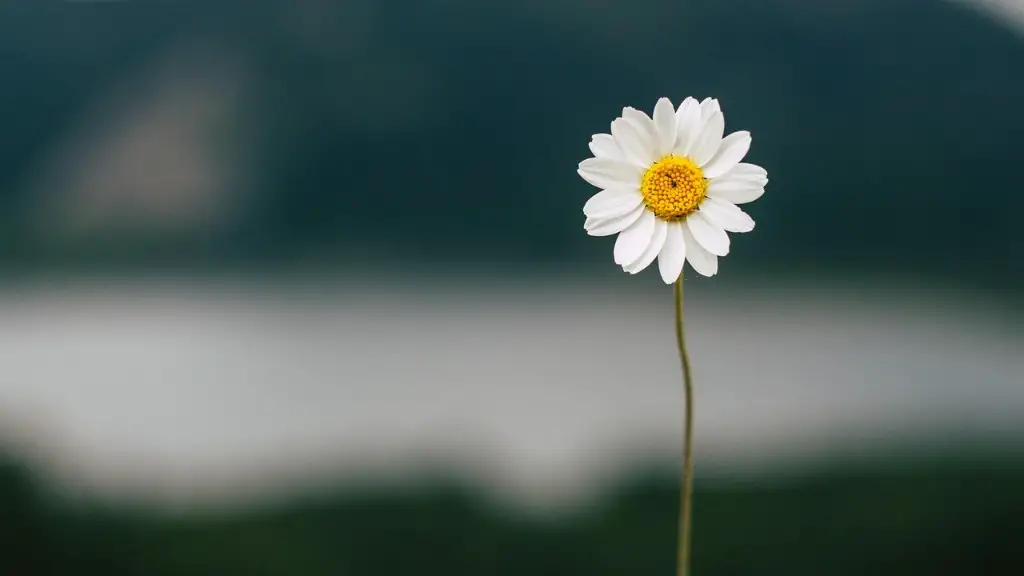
{"points": [[632, 241], [748, 179], [648, 132], [748, 170], [612, 203], [706, 145], [726, 215], [733, 148], [708, 107], [702, 261], [688, 123], [653, 248], [633, 144], [604, 146], [711, 237], [638, 116], [745, 173], [609, 226], [665, 125], [737, 191], [673, 253], [605, 173]]}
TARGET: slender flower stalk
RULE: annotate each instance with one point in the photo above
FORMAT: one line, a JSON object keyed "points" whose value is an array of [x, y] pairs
{"points": [[686, 490]]}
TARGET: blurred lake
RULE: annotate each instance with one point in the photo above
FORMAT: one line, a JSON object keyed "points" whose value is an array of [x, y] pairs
{"points": [[198, 392]]}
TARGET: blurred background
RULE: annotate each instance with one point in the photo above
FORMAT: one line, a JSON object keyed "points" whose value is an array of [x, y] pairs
{"points": [[296, 287]]}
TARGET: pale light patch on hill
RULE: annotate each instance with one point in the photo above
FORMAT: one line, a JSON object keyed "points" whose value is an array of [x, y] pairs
{"points": [[153, 154]]}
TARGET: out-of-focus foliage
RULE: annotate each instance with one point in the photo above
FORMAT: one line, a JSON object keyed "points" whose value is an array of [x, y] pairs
{"points": [[450, 130], [950, 516]]}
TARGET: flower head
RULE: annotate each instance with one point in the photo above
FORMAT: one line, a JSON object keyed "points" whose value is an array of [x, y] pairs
{"points": [[670, 186]]}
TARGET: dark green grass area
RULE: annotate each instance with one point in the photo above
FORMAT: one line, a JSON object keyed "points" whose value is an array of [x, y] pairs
{"points": [[947, 516]]}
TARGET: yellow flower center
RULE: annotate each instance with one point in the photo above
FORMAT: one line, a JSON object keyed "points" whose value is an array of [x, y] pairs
{"points": [[673, 187]]}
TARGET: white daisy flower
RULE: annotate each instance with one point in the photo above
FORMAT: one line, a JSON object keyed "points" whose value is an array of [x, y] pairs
{"points": [[670, 186]]}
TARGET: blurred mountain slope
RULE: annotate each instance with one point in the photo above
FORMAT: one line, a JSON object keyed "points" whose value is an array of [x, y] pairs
{"points": [[449, 130]]}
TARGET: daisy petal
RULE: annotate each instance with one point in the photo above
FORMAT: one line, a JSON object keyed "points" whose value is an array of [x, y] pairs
{"points": [[688, 122], [708, 107], [735, 190], [609, 226], [702, 261], [748, 170], [632, 241], [733, 148], [665, 125], [605, 173], [604, 146], [706, 145], [653, 248], [673, 253], [645, 122], [709, 236], [612, 203], [726, 215], [634, 145], [648, 132], [748, 179]]}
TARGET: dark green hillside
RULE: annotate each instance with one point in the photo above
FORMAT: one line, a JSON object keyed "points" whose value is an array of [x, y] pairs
{"points": [[952, 516], [449, 131]]}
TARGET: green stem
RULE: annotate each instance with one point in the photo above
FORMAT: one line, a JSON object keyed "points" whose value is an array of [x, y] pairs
{"points": [[685, 504]]}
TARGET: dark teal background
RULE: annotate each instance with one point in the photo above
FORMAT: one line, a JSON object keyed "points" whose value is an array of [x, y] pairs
{"points": [[891, 131]]}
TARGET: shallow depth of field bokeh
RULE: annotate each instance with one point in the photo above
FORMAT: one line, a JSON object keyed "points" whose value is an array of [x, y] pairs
{"points": [[296, 287]]}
